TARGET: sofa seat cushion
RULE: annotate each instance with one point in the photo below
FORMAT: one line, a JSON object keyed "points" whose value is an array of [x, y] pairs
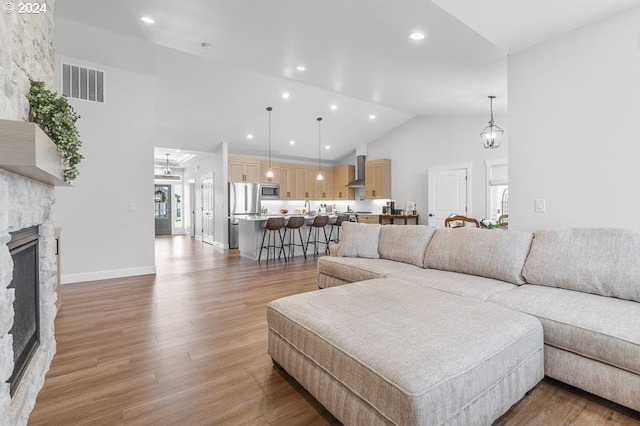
{"points": [[487, 253], [605, 329], [405, 243], [352, 269], [455, 283], [415, 354], [602, 261]]}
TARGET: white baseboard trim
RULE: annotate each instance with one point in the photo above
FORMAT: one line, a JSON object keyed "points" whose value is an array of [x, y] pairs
{"points": [[218, 244], [105, 275]]}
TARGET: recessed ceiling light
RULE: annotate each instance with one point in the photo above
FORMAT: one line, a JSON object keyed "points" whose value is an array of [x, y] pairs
{"points": [[147, 20], [178, 150], [327, 147], [333, 107], [249, 136], [292, 142], [417, 36], [301, 68], [205, 45], [372, 117], [286, 95]]}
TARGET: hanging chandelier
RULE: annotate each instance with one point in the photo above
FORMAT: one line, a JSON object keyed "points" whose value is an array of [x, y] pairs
{"points": [[492, 134], [320, 176], [270, 173], [167, 168]]}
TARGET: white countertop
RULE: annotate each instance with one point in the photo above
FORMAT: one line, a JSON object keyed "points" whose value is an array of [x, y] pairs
{"points": [[258, 218]]}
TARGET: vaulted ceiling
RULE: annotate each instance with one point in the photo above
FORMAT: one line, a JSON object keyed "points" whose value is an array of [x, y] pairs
{"points": [[357, 56]]}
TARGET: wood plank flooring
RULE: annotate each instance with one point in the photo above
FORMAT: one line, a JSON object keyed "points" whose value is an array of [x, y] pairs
{"points": [[188, 346]]}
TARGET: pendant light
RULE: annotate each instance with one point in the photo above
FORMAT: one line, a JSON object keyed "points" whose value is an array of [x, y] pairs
{"points": [[492, 134], [269, 174], [167, 169], [320, 176]]}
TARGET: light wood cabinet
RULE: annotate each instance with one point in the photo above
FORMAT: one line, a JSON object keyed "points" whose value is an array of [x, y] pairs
{"points": [[297, 181], [244, 169], [288, 184], [324, 188], [277, 173], [306, 183], [342, 175], [368, 218], [378, 179]]}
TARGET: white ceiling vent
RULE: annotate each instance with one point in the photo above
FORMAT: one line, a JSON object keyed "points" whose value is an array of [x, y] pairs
{"points": [[82, 83]]}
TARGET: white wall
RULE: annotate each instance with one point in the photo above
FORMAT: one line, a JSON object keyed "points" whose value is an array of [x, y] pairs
{"points": [[107, 215], [431, 141], [574, 108]]}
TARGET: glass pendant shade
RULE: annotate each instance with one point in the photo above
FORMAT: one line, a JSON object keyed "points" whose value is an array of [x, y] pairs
{"points": [[492, 134], [270, 174]]}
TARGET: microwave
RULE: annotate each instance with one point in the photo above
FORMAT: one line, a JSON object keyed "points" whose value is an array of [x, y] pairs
{"points": [[269, 191]]}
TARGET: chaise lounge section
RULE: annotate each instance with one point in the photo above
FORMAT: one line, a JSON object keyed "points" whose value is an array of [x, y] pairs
{"points": [[580, 286]]}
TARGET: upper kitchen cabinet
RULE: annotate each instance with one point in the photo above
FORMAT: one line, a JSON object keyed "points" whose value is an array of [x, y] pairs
{"points": [[342, 175], [277, 173], [244, 169], [324, 188], [306, 183], [288, 184], [377, 181]]}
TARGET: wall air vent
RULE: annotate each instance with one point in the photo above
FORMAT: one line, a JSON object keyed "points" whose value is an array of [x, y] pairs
{"points": [[82, 83]]}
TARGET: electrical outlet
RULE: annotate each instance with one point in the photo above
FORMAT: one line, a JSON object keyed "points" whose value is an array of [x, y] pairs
{"points": [[132, 207]]}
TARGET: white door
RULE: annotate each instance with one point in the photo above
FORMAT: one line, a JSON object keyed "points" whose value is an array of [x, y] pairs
{"points": [[447, 194], [208, 217]]}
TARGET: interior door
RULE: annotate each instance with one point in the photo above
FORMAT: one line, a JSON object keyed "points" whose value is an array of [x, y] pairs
{"points": [[163, 209], [208, 215], [447, 194]]}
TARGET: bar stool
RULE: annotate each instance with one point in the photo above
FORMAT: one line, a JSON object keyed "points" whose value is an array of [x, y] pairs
{"points": [[294, 222], [318, 222], [273, 224], [336, 225]]}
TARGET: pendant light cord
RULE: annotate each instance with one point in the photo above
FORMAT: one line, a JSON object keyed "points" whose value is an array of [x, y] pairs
{"points": [[319, 145], [269, 110]]}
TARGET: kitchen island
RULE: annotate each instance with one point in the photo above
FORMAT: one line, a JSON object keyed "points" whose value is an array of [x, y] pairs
{"points": [[252, 227]]}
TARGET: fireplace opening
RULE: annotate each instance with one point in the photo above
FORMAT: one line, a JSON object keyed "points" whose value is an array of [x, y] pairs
{"points": [[26, 282]]}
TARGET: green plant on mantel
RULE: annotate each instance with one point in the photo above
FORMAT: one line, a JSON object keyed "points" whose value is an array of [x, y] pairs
{"points": [[57, 119]]}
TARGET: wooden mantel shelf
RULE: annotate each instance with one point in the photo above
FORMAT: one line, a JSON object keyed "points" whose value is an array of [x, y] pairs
{"points": [[26, 150]]}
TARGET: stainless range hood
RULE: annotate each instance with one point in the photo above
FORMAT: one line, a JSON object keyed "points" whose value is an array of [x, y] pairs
{"points": [[359, 182]]}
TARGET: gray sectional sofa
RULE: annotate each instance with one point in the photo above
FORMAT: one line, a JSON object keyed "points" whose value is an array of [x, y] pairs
{"points": [[453, 326]]}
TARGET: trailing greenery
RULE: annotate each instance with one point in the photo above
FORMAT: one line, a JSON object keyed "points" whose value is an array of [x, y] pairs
{"points": [[57, 119]]}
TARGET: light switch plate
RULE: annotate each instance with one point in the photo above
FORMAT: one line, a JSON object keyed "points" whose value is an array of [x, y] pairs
{"points": [[132, 207], [541, 205]]}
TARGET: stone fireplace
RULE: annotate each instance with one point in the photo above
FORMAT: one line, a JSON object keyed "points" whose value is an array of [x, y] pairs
{"points": [[27, 53], [25, 203]]}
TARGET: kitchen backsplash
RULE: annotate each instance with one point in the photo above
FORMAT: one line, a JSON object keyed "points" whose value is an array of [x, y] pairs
{"points": [[374, 206]]}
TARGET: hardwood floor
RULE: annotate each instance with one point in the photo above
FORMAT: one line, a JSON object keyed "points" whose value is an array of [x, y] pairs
{"points": [[188, 346]]}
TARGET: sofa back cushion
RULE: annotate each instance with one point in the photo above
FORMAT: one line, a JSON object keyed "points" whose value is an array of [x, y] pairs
{"points": [[604, 261], [486, 253], [405, 244], [359, 240]]}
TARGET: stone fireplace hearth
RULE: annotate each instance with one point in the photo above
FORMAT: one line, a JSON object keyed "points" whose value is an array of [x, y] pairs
{"points": [[25, 203]]}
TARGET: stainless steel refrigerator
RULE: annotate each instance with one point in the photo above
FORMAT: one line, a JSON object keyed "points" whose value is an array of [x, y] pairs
{"points": [[244, 198]]}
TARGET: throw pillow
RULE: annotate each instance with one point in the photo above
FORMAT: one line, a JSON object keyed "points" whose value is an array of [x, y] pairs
{"points": [[359, 240]]}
